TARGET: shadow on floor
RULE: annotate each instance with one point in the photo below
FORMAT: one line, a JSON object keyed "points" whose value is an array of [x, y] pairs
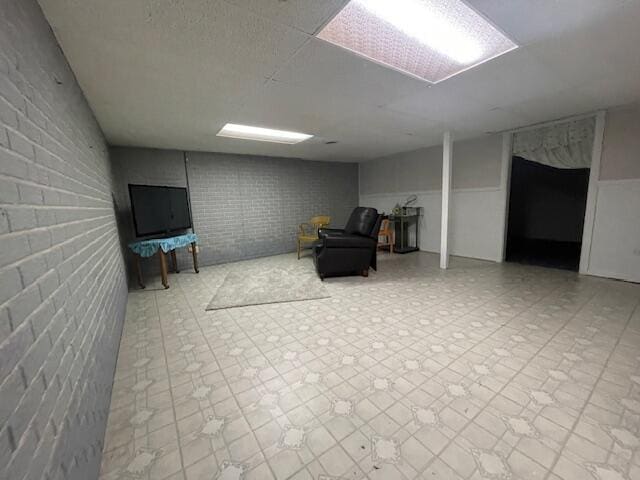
{"points": [[544, 253]]}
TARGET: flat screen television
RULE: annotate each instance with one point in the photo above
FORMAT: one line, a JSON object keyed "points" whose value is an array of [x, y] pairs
{"points": [[159, 210]]}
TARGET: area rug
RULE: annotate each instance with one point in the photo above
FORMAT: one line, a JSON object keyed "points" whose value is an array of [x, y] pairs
{"points": [[267, 285]]}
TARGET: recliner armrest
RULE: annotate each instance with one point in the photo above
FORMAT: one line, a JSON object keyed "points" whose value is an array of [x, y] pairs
{"points": [[323, 232], [347, 241]]}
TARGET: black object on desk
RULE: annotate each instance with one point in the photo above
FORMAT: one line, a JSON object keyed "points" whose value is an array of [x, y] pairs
{"points": [[403, 223]]}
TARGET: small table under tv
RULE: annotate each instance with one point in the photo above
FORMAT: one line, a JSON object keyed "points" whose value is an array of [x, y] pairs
{"points": [[163, 246]]}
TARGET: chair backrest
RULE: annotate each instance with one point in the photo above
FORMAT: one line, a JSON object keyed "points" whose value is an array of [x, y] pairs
{"points": [[320, 221], [315, 224], [384, 226], [362, 221]]}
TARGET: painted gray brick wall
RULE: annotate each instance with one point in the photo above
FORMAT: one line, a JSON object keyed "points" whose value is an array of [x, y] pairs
{"points": [[243, 206], [246, 207], [62, 283]]}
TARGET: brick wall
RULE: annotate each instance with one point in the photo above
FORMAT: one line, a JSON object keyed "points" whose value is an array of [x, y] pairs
{"points": [[243, 206], [247, 207], [62, 283]]}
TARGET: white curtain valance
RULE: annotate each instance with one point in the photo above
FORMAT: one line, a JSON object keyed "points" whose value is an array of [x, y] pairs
{"points": [[563, 145]]}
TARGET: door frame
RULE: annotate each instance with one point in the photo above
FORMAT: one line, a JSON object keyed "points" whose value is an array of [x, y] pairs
{"points": [[592, 190], [592, 193]]}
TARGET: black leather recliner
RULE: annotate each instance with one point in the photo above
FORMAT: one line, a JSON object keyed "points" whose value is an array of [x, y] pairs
{"points": [[350, 251]]}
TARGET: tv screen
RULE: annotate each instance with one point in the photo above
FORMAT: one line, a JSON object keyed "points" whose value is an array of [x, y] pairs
{"points": [[159, 210]]}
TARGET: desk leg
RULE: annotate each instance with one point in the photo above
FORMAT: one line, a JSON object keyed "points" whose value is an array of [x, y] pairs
{"points": [[163, 268], [174, 260], [194, 253], [136, 258]]}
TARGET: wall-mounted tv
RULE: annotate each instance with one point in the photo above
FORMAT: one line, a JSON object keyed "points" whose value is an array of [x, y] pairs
{"points": [[159, 210]]}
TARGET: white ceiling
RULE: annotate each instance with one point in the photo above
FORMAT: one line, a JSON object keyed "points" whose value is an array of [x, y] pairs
{"points": [[171, 73]]}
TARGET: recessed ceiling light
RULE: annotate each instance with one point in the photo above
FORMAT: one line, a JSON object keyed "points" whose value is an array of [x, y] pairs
{"points": [[246, 132], [429, 39]]}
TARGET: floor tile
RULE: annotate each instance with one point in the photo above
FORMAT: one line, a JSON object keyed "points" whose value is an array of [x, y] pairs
{"points": [[482, 371]]}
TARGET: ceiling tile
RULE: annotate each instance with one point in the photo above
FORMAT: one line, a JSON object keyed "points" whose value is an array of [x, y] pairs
{"points": [[515, 77], [305, 15], [212, 32], [444, 102], [485, 121], [388, 122], [326, 70], [612, 90], [287, 106], [169, 74], [562, 104], [608, 47], [528, 21]]}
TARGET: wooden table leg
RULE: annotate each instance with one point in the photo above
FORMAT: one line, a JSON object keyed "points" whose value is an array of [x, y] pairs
{"points": [[139, 270], [174, 260], [163, 268], [194, 253]]}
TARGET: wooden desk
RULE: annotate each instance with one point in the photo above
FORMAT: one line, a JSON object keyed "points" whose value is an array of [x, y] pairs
{"points": [[163, 246]]}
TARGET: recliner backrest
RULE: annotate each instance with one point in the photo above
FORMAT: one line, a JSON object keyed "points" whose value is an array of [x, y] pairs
{"points": [[362, 221], [376, 228]]}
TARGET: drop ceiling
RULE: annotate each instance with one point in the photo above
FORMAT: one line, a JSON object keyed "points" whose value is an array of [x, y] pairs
{"points": [[172, 73]]}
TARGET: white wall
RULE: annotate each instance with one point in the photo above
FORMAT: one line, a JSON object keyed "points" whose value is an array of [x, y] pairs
{"points": [[477, 210], [477, 204], [615, 245], [621, 148], [430, 222], [476, 223], [417, 171]]}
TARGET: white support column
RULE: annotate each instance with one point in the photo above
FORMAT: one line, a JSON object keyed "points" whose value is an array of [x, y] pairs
{"points": [[592, 193], [505, 185], [447, 155]]}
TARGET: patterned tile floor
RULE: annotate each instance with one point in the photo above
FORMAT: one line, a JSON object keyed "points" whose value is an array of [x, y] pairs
{"points": [[483, 371]]}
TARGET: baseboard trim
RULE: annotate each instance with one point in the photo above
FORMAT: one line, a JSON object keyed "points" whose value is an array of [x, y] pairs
{"points": [[612, 276]]}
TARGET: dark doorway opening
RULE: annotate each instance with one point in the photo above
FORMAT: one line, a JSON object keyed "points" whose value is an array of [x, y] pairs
{"points": [[546, 214]]}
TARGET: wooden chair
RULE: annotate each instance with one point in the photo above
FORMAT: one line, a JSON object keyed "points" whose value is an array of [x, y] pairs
{"points": [[386, 232], [308, 232]]}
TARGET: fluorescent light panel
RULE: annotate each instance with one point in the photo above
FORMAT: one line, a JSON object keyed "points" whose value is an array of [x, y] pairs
{"points": [[246, 132], [429, 39]]}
